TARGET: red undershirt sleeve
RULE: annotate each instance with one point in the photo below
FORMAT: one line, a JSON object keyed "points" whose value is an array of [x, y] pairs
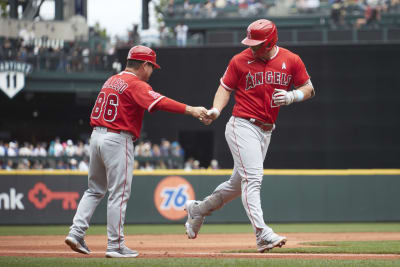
{"points": [[170, 105]]}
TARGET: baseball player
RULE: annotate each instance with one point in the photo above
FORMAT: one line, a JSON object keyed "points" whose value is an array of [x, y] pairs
{"points": [[261, 77], [116, 119]]}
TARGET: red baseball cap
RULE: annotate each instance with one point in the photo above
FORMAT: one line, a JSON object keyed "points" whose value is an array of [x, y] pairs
{"points": [[143, 53]]}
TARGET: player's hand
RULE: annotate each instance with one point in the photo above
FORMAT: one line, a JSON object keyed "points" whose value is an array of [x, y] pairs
{"points": [[282, 97], [213, 113]]}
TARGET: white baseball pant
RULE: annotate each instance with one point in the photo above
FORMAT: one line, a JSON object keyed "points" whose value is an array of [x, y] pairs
{"points": [[248, 145], [110, 168]]}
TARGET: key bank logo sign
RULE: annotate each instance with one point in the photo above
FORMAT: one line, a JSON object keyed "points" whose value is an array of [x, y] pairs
{"points": [[12, 76], [170, 197], [11, 201], [41, 196]]}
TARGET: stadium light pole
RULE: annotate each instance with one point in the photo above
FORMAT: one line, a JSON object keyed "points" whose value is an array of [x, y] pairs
{"points": [[145, 14]]}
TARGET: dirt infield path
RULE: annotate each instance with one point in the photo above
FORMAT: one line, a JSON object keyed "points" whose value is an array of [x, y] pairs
{"points": [[178, 246]]}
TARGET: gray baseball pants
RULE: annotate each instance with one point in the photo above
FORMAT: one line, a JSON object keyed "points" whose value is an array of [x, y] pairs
{"points": [[110, 169], [248, 144]]}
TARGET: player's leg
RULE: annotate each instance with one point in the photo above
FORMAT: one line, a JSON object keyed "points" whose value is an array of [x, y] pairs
{"points": [[117, 152], [249, 145], [197, 210], [268, 239], [224, 193], [97, 186]]}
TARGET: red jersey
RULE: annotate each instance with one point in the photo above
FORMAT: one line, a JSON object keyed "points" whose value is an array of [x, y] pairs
{"points": [[255, 80], [121, 103]]}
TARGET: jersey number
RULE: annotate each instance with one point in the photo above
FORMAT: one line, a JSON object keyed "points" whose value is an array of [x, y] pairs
{"points": [[106, 105]]}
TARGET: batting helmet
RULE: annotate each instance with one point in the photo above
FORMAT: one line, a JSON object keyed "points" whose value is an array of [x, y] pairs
{"points": [[261, 31], [143, 53]]}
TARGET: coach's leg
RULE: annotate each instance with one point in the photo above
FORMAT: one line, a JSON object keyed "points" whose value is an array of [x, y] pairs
{"points": [[119, 166], [97, 186]]}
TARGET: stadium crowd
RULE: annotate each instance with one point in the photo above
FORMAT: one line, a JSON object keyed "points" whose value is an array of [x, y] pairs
{"points": [[61, 56], [248, 8], [67, 155]]}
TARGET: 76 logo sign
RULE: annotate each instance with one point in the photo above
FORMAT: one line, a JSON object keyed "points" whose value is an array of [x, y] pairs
{"points": [[174, 197], [170, 196]]}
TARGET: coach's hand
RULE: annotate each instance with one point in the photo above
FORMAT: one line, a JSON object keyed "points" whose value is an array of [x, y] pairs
{"points": [[197, 112]]}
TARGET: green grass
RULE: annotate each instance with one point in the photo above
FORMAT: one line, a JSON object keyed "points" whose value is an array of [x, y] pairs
{"points": [[207, 228], [68, 262], [347, 247]]}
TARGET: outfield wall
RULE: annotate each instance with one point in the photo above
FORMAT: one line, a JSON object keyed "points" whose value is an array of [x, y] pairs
{"points": [[158, 197]]}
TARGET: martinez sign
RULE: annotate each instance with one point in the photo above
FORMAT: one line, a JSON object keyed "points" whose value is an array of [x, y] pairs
{"points": [[12, 76]]}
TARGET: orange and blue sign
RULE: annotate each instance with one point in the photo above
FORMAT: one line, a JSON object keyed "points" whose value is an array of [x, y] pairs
{"points": [[170, 197]]}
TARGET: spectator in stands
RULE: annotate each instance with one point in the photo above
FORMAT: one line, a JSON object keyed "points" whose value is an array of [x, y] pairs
{"points": [[37, 165], [40, 150], [2, 149], [70, 148], [85, 58], [156, 151], [23, 164], [60, 165], [165, 147], [170, 8], [394, 6], [301, 6], [10, 165], [24, 150], [147, 166], [50, 151], [196, 165], [210, 9], [7, 51], [166, 35], [176, 150], [213, 165], [372, 15], [312, 6], [80, 149], [220, 4], [307, 6], [338, 12], [181, 34], [58, 148], [187, 8], [12, 150], [84, 164], [189, 164], [73, 164]]}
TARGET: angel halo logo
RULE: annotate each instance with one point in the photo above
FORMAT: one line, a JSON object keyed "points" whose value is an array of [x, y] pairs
{"points": [[170, 196]]}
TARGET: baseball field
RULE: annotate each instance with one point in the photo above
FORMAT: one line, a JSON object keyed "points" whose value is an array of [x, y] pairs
{"points": [[326, 244]]}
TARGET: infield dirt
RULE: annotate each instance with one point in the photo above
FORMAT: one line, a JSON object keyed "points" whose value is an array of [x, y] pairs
{"points": [[178, 246]]}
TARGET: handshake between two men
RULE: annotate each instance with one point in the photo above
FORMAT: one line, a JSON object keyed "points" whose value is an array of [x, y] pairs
{"points": [[280, 97], [204, 115]]}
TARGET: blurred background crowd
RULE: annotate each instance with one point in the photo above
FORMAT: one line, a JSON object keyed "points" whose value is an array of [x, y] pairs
{"points": [[70, 155], [98, 52]]}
